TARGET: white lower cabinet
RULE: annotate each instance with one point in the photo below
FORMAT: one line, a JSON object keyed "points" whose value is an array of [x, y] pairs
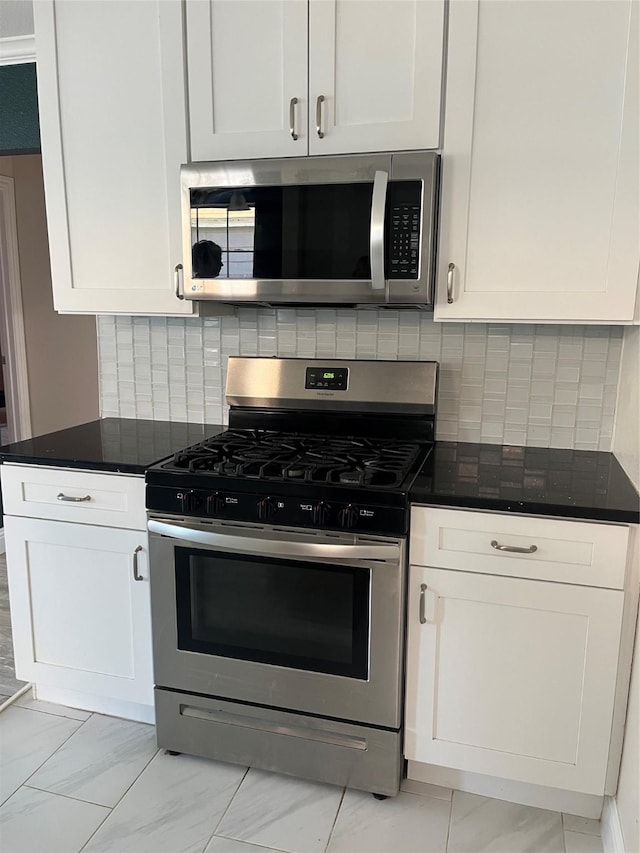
{"points": [[510, 677], [80, 608]]}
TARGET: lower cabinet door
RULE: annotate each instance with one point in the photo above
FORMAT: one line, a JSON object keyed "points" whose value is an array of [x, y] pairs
{"points": [[511, 678], [81, 620]]}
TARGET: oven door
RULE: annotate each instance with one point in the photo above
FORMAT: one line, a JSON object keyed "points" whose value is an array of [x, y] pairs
{"points": [[287, 619]]}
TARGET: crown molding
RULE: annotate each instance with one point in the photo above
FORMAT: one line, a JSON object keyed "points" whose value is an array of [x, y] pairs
{"points": [[15, 50]]}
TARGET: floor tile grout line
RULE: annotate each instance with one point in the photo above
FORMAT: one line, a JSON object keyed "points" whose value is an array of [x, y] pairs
{"points": [[244, 776], [120, 799], [26, 782], [252, 843], [109, 810], [66, 796], [450, 817], [53, 713], [57, 749], [335, 820], [580, 832]]}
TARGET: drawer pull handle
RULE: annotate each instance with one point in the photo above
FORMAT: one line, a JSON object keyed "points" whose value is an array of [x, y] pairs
{"points": [[63, 497], [136, 575], [514, 548]]}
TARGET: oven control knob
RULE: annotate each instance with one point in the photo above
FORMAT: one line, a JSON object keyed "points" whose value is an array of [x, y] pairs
{"points": [[266, 508], [349, 516], [321, 512], [190, 500], [215, 503]]}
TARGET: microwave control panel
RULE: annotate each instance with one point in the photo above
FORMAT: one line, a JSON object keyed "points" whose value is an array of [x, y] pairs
{"points": [[403, 229]]}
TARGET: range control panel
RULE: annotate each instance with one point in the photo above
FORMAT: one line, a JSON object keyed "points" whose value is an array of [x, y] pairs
{"points": [[329, 378], [277, 509], [403, 229]]}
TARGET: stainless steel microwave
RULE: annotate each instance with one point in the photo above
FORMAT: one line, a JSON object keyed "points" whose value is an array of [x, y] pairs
{"points": [[351, 230]]}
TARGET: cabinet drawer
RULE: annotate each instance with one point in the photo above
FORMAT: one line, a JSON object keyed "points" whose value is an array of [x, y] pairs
{"points": [[111, 500], [564, 551]]}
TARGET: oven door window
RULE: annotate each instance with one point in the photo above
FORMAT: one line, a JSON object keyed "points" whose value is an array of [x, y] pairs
{"points": [[300, 615]]}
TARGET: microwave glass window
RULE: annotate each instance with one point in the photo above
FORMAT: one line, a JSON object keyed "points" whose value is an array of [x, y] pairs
{"points": [[222, 242], [291, 232]]}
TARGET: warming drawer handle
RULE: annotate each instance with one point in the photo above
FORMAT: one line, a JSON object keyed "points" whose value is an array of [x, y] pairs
{"points": [[225, 718], [275, 547], [515, 549], [62, 497]]}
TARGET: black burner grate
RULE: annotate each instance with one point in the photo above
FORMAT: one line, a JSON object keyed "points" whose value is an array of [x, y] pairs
{"points": [[268, 455]]}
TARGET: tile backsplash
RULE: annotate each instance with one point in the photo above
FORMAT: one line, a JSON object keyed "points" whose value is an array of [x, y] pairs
{"points": [[540, 385]]}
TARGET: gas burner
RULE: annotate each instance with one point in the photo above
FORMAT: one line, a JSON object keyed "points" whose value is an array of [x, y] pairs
{"points": [[271, 455]]}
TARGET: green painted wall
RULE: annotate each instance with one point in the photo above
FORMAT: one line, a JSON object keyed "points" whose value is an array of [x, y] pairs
{"points": [[19, 125]]}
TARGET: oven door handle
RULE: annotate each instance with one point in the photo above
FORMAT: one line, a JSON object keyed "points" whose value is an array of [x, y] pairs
{"points": [[275, 547]]}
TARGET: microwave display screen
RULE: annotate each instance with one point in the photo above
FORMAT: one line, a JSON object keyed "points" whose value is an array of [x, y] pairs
{"points": [[302, 231]]}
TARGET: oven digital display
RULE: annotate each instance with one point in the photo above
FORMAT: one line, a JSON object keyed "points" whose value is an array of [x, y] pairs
{"points": [[327, 378]]}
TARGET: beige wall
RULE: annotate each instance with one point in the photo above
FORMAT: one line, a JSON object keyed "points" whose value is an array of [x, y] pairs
{"points": [[62, 359], [627, 448]]}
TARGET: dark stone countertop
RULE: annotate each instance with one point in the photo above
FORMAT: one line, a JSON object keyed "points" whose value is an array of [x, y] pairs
{"points": [[502, 478], [577, 484], [125, 445]]}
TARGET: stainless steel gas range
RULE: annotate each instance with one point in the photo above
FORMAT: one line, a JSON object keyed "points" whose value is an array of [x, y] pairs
{"points": [[278, 570]]}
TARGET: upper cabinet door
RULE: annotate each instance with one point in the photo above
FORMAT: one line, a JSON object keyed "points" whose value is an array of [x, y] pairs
{"points": [[540, 162], [113, 128], [247, 78], [375, 75]]}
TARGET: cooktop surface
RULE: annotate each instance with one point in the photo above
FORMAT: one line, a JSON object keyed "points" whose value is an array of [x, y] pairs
{"points": [[289, 456]]}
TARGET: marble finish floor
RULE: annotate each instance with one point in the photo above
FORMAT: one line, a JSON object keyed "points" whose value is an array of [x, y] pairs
{"points": [[8, 683], [72, 781]]}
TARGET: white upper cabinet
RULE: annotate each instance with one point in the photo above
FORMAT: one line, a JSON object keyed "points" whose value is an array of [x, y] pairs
{"points": [[375, 75], [113, 129], [540, 162], [285, 78], [247, 78]]}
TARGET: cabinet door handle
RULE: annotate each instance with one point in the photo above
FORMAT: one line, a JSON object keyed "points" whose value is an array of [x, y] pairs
{"points": [[178, 271], [433, 604], [63, 497], [515, 549], [292, 119], [450, 283], [319, 102], [423, 589], [136, 575]]}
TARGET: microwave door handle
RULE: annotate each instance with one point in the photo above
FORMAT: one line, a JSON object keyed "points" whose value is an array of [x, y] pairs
{"points": [[376, 238], [275, 547]]}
